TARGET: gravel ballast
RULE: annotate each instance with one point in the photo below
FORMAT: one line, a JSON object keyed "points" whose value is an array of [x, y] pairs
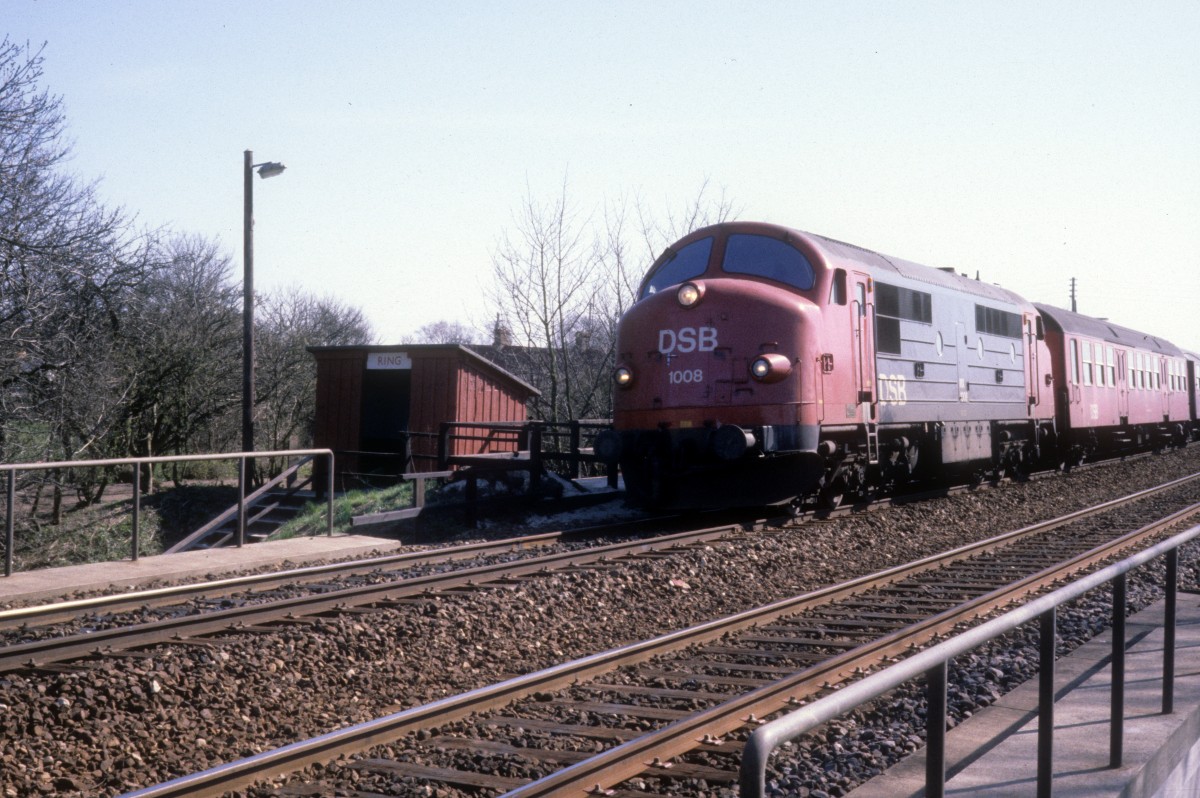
{"points": [[125, 722]]}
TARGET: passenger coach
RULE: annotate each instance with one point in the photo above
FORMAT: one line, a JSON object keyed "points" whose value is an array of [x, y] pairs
{"points": [[1121, 389]]}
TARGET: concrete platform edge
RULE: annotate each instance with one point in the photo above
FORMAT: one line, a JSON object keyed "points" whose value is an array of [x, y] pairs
{"points": [[50, 583]]}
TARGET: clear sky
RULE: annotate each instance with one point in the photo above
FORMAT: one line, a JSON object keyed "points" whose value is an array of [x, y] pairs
{"points": [[1030, 142]]}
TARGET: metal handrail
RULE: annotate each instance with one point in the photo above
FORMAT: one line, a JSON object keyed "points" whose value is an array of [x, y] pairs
{"points": [[242, 457], [933, 662]]}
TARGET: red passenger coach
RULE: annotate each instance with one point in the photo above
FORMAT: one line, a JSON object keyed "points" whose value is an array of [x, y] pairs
{"points": [[1119, 389], [1192, 380]]}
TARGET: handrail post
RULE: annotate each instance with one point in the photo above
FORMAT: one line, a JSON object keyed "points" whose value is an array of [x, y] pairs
{"points": [[241, 527], [1116, 742], [10, 522], [443, 445], [137, 508], [1168, 691], [575, 441], [329, 497], [935, 730], [535, 458], [1048, 629]]}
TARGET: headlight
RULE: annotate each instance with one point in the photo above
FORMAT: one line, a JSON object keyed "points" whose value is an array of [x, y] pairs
{"points": [[689, 294], [770, 368], [623, 377]]}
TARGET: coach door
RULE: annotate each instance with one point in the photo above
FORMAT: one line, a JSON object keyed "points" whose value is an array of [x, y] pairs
{"points": [[864, 345], [1122, 388], [1031, 362]]}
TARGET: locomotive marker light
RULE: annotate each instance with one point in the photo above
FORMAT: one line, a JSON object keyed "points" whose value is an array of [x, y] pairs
{"points": [[689, 294], [623, 377], [770, 368], [265, 170]]}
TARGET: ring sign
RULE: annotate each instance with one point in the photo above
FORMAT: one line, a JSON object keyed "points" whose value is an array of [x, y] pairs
{"points": [[388, 360]]}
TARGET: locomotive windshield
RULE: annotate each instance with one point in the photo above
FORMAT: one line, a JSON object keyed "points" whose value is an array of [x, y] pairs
{"points": [[768, 257], [691, 261]]}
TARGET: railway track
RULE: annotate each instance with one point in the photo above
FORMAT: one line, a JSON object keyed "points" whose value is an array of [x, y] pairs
{"points": [[198, 597], [673, 707], [250, 615], [101, 625]]}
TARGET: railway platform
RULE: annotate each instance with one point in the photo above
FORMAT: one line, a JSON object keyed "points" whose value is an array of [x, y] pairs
{"points": [[993, 754], [47, 583]]}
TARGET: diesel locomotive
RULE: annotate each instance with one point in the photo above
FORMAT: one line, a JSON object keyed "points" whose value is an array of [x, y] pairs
{"points": [[762, 365]]}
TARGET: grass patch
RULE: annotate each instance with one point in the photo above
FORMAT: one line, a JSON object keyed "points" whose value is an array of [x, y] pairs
{"points": [[312, 518]]}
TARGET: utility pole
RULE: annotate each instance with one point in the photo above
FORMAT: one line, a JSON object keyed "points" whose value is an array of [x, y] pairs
{"points": [[1073, 306]]}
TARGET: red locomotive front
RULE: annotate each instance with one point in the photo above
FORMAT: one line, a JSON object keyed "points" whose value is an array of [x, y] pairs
{"points": [[719, 363]]}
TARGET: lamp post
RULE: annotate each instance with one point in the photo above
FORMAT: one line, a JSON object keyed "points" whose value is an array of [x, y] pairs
{"points": [[265, 170]]}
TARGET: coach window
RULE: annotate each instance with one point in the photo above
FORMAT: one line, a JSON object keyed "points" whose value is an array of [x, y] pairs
{"points": [[1087, 362], [1111, 355], [772, 258], [1075, 361], [689, 262]]}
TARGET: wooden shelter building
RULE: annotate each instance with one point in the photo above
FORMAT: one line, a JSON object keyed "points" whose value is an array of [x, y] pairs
{"points": [[379, 408]]}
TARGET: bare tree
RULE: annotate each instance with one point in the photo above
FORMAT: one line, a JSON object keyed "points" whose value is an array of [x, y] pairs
{"points": [[288, 323], [443, 332], [545, 270], [563, 279], [65, 265]]}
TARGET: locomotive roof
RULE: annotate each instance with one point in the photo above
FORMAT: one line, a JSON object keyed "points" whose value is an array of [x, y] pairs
{"points": [[946, 278], [1079, 324]]}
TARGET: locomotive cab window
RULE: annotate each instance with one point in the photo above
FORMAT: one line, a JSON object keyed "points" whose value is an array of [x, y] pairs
{"points": [[761, 256], [689, 262], [837, 292]]}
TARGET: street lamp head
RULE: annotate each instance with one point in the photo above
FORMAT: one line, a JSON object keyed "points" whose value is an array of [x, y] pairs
{"points": [[269, 169]]}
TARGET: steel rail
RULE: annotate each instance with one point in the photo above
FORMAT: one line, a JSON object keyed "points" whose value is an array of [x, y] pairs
{"points": [[934, 659], [629, 759], [290, 758], [152, 597], [156, 597], [41, 652]]}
